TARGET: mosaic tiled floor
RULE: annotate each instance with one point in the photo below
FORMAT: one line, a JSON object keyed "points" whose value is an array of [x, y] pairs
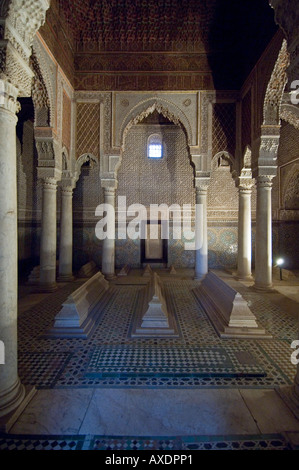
{"points": [[169, 361], [106, 443], [198, 358]]}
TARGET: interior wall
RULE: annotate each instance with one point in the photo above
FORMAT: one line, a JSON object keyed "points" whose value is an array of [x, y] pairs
{"points": [[87, 195], [285, 198], [146, 181], [169, 181]]}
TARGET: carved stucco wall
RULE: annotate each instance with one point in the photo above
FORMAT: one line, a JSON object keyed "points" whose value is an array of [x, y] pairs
{"points": [[172, 185], [169, 180], [286, 198], [288, 162]]}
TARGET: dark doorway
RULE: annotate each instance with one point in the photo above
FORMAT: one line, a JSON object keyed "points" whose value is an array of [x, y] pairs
{"points": [[154, 242]]}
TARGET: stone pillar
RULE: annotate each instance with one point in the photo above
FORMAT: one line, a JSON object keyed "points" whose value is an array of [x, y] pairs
{"points": [[108, 247], [18, 20], [66, 235], [48, 236], [263, 239], [201, 232], [244, 233], [11, 391]]}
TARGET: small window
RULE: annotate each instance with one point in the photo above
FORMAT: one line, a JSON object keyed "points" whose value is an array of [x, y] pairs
{"points": [[154, 146]]}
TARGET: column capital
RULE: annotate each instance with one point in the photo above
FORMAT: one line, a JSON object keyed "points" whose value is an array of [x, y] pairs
{"points": [[8, 96], [264, 181], [109, 183], [68, 181], [244, 184], [48, 148], [49, 174], [202, 184], [66, 190], [109, 191], [49, 183]]}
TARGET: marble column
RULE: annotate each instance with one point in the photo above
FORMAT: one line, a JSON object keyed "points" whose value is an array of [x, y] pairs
{"points": [[201, 233], [244, 233], [263, 238], [48, 236], [12, 392], [108, 247], [66, 235]]}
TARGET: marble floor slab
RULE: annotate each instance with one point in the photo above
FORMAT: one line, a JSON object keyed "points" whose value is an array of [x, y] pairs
{"points": [[167, 412], [269, 411], [124, 412], [54, 412]]}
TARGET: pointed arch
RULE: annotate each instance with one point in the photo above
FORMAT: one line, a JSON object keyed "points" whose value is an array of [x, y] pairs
{"points": [[223, 159], [84, 159], [162, 106]]}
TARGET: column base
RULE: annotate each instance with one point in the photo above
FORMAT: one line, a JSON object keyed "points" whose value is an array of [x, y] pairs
{"points": [[199, 276], [9, 419], [290, 398], [47, 288], [110, 277], [248, 278], [65, 278], [266, 288]]}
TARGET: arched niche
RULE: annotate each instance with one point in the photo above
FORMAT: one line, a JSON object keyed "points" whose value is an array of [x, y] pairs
{"points": [[223, 160], [149, 180], [87, 160], [168, 109], [222, 191]]}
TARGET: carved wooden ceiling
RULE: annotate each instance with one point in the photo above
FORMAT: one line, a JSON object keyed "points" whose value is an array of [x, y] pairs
{"points": [[224, 38]]}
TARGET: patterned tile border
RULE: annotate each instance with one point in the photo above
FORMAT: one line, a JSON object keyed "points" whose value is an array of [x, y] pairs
{"points": [[151, 443], [48, 442]]}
